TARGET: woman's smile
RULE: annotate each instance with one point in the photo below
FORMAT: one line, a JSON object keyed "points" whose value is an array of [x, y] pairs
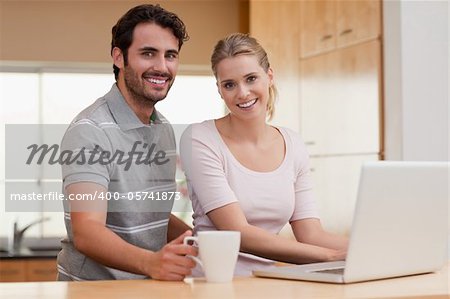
{"points": [[248, 104]]}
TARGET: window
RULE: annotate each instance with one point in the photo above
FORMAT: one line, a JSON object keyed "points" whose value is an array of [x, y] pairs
{"points": [[56, 97]]}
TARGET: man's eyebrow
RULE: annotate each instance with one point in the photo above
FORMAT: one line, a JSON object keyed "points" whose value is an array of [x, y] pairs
{"points": [[172, 51], [148, 49], [151, 49]]}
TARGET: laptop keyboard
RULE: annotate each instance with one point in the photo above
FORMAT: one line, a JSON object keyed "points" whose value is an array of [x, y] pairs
{"points": [[331, 271]]}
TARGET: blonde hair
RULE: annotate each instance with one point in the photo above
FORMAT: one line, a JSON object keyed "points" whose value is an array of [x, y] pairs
{"points": [[242, 44]]}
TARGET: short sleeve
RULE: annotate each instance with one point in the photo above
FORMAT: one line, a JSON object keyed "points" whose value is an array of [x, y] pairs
{"points": [[305, 204], [82, 146], [203, 165]]}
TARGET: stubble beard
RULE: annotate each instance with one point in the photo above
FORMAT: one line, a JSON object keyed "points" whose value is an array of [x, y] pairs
{"points": [[136, 89]]}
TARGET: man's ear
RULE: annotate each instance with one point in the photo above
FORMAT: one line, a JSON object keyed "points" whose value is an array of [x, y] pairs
{"points": [[117, 57]]}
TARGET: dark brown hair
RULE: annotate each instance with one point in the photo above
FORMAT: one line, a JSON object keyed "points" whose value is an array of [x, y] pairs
{"points": [[122, 32]]}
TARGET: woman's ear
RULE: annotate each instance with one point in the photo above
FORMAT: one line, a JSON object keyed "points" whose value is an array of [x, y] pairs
{"points": [[270, 75], [218, 90], [117, 57]]}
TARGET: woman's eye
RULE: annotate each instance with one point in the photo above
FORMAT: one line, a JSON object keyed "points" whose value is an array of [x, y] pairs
{"points": [[228, 85], [251, 78]]}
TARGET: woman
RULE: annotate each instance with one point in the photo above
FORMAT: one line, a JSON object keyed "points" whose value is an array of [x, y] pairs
{"points": [[246, 175]]}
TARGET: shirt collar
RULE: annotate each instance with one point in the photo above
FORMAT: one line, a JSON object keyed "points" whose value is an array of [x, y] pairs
{"points": [[124, 116]]}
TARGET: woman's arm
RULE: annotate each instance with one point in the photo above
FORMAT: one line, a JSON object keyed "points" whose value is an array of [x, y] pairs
{"points": [[203, 164], [310, 231], [260, 242]]}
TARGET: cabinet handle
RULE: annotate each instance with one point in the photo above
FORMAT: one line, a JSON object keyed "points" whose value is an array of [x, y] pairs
{"points": [[43, 271], [310, 143], [9, 272], [312, 169], [347, 31], [326, 37]]}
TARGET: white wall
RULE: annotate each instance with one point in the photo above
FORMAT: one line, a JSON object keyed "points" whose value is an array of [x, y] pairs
{"points": [[416, 39], [416, 74]]}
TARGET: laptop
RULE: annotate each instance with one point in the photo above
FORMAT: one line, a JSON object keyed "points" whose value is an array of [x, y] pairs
{"points": [[399, 227]]}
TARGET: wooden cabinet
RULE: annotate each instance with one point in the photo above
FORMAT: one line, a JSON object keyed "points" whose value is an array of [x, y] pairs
{"points": [[357, 21], [16, 270], [318, 26], [12, 270], [327, 62], [331, 24], [276, 25], [41, 270], [340, 105]]}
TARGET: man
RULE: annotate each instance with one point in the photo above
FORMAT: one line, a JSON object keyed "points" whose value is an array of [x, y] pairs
{"points": [[117, 225]]}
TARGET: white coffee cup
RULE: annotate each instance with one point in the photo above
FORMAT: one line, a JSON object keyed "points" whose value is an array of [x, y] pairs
{"points": [[217, 253]]}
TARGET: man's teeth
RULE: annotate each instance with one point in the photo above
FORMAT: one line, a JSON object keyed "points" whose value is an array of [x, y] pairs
{"points": [[156, 81], [247, 104]]}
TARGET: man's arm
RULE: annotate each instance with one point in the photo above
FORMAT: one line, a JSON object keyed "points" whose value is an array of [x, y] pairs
{"points": [[176, 227], [95, 240]]}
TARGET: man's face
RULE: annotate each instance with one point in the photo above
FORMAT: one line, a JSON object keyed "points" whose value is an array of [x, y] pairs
{"points": [[152, 63]]}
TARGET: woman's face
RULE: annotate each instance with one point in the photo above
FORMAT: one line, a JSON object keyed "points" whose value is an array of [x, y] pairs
{"points": [[244, 86]]}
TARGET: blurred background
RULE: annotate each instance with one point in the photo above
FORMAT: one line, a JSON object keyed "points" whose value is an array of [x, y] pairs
{"points": [[358, 80]]}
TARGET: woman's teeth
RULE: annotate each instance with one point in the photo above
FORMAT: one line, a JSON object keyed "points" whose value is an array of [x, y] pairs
{"points": [[247, 104]]}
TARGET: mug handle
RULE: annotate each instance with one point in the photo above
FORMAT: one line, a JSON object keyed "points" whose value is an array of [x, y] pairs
{"points": [[194, 240]]}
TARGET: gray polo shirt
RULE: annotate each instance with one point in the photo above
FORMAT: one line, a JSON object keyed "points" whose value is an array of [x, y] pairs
{"points": [[136, 163]]}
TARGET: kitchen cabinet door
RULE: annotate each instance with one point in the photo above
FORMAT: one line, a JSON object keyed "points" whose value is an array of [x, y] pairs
{"points": [[41, 270], [317, 23], [357, 21], [331, 24], [340, 107], [335, 182], [21, 270], [14, 270]]}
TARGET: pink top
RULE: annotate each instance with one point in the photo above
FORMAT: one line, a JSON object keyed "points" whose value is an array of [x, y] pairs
{"points": [[268, 199]]}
